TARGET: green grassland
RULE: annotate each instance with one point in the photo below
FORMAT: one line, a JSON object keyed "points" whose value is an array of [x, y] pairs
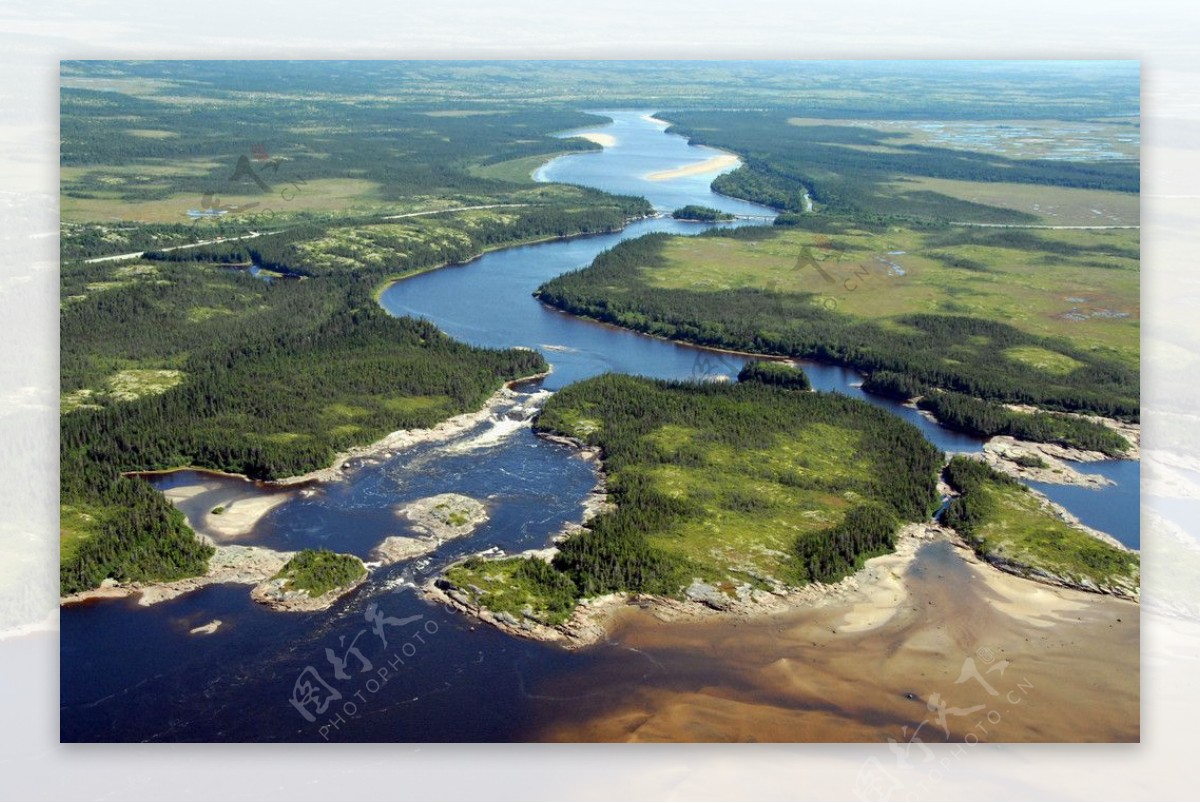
{"points": [[515, 171], [317, 195], [1041, 282], [961, 309], [318, 571], [877, 171], [1051, 206], [1111, 138], [737, 485], [1006, 523]]}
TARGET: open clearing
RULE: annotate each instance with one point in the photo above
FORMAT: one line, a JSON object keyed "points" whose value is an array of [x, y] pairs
{"points": [[1079, 285], [1056, 206], [1074, 140], [318, 195]]}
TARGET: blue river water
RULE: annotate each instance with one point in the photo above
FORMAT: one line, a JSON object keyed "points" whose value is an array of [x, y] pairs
{"points": [[133, 673]]}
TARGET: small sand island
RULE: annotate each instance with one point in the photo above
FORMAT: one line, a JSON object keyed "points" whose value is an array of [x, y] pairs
{"points": [[718, 162], [222, 513], [437, 519], [206, 630]]}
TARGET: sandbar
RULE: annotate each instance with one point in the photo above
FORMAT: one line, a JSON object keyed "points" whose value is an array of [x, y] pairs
{"points": [[240, 509], [719, 162], [603, 140]]}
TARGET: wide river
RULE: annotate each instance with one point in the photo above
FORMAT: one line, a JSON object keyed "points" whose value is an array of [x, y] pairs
{"points": [[133, 673]]}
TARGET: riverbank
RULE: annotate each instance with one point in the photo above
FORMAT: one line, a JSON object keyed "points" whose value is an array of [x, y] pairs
{"points": [[406, 438], [397, 278], [234, 563], [868, 599], [231, 563], [872, 593]]}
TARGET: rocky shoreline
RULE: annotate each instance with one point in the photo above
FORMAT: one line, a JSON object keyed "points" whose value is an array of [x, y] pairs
{"points": [[1001, 451], [231, 563], [276, 595], [404, 438], [1018, 459], [589, 622], [1126, 591], [1132, 433], [875, 588]]}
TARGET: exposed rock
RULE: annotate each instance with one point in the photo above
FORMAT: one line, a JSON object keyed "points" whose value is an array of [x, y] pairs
{"points": [[445, 516], [1004, 452], [396, 548], [404, 438], [1132, 433]]}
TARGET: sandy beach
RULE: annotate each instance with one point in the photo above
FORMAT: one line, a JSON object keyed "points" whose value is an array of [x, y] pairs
{"points": [[719, 162], [240, 510]]}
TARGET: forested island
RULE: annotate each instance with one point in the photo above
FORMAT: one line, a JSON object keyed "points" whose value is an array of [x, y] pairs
{"points": [[310, 580], [750, 487], [701, 214]]}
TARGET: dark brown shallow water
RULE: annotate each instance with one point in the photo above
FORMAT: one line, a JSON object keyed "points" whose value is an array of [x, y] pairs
{"points": [[936, 670]]}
